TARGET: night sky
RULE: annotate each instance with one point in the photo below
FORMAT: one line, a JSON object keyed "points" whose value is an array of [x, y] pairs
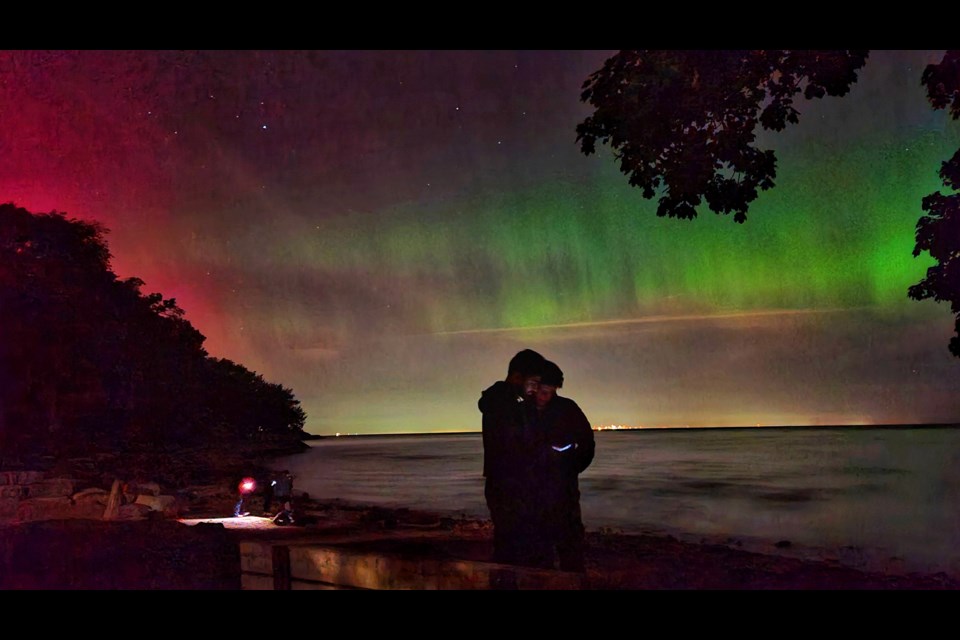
{"points": [[381, 231]]}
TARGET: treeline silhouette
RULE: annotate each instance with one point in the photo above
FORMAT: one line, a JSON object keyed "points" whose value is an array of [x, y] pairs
{"points": [[89, 363]]}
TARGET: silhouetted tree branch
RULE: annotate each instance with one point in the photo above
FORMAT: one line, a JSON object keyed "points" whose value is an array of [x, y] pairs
{"points": [[938, 232], [683, 123]]}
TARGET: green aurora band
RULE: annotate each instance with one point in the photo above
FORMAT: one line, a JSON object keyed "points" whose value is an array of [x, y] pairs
{"points": [[431, 235]]}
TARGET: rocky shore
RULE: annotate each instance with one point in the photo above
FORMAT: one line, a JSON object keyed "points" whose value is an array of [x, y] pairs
{"points": [[79, 533], [158, 551]]}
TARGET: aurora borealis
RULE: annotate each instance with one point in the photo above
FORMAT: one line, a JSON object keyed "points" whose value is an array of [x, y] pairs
{"points": [[381, 231]]}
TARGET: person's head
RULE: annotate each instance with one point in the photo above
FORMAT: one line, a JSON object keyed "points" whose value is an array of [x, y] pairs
{"points": [[551, 379], [530, 386], [523, 367]]}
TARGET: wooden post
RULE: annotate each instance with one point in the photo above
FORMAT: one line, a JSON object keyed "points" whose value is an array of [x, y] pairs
{"points": [[281, 567]]}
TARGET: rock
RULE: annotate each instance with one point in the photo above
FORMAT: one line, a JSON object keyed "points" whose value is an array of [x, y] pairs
{"points": [[8, 508], [164, 504], [92, 496], [783, 544], [92, 491], [145, 488], [53, 488], [463, 525], [209, 490], [20, 477], [89, 508], [57, 508], [11, 491], [132, 512], [86, 463]]}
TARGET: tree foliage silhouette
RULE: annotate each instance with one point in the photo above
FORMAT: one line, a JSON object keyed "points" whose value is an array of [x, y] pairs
{"points": [[682, 124], [938, 232], [90, 363]]}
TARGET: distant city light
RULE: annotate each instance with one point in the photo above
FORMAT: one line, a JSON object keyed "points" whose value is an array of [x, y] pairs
{"points": [[615, 427]]}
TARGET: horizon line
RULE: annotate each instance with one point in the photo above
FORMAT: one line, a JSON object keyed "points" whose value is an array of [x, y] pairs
{"points": [[875, 425]]}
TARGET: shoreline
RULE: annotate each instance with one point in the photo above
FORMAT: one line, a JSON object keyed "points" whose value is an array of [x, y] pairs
{"points": [[764, 427], [159, 551], [165, 553], [649, 559], [92, 554], [619, 560], [872, 507]]}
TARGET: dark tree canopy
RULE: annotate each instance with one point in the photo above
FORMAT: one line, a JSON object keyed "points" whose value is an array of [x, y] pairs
{"points": [[938, 232], [942, 81], [683, 123], [90, 363]]}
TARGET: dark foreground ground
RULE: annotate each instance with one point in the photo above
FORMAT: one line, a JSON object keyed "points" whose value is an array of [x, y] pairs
{"points": [[167, 554]]}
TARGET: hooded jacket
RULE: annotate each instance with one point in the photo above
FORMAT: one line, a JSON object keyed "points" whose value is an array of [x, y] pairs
{"points": [[507, 438], [568, 436]]}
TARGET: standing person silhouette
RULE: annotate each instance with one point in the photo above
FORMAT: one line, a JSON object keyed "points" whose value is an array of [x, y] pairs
{"points": [[509, 447], [283, 493], [279, 490], [566, 448]]}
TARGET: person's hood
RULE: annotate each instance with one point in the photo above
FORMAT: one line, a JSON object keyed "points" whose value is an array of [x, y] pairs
{"points": [[495, 393]]}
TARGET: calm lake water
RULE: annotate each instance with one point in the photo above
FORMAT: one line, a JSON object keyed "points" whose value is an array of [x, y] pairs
{"points": [[870, 497]]}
